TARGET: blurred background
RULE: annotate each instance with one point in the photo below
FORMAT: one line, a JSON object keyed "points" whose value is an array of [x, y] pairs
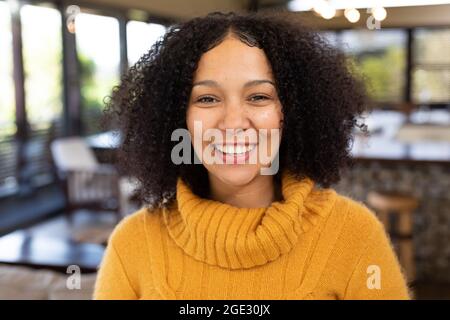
{"points": [[61, 193]]}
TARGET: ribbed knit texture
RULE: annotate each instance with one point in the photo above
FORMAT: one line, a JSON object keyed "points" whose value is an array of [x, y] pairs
{"points": [[315, 244]]}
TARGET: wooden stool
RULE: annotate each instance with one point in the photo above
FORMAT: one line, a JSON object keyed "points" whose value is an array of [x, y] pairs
{"points": [[402, 205]]}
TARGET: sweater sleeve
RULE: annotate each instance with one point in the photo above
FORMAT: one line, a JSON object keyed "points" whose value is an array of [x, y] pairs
{"points": [[377, 274], [112, 281]]}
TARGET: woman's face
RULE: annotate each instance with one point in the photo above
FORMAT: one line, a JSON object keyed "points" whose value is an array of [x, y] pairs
{"points": [[233, 98]]}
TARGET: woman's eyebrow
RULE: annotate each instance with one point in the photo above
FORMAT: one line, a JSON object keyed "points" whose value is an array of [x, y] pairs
{"points": [[256, 82], [212, 83]]}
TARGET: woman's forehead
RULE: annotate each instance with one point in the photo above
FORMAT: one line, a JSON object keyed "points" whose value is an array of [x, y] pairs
{"points": [[233, 59]]}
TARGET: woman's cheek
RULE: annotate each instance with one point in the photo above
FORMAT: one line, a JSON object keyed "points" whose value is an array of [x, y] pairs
{"points": [[199, 121], [268, 118]]}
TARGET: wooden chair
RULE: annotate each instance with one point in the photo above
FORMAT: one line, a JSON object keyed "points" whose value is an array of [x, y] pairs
{"points": [[402, 206], [87, 184]]}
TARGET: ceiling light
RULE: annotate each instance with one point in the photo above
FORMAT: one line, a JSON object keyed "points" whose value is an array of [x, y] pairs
{"points": [[324, 8], [352, 15], [379, 13]]}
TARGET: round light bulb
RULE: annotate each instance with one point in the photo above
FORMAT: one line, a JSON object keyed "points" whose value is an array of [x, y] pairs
{"points": [[320, 6], [379, 13], [352, 15], [328, 12]]}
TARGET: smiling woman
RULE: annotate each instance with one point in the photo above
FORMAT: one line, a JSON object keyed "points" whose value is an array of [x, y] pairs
{"points": [[229, 229], [224, 97]]}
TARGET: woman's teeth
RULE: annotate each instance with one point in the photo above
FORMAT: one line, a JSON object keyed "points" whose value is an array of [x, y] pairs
{"points": [[234, 149]]}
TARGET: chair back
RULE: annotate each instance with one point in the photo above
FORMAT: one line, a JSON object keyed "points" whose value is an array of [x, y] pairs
{"points": [[73, 153]]}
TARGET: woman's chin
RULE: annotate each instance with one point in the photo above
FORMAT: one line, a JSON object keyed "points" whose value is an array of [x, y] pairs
{"points": [[235, 175]]}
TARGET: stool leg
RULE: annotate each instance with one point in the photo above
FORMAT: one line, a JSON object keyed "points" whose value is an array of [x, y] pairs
{"points": [[406, 249], [405, 223], [405, 227]]}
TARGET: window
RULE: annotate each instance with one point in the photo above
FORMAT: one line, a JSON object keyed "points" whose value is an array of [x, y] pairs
{"points": [[431, 66], [42, 57], [140, 37], [7, 107], [8, 182], [98, 48], [42, 52], [380, 55]]}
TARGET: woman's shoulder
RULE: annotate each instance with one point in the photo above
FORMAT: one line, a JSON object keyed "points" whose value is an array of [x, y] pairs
{"points": [[350, 228], [342, 209], [356, 217], [132, 229]]}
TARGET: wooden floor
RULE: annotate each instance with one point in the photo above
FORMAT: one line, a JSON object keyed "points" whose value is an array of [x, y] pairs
{"points": [[428, 291]]}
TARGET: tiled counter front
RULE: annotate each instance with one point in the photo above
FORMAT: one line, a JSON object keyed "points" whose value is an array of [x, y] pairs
{"points": [[428, 181]]}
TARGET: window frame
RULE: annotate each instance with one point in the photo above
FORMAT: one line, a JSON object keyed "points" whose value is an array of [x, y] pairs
{"points": [[409, 67]]}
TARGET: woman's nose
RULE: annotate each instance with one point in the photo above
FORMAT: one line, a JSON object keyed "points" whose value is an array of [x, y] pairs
{"points": [[234, 117]]}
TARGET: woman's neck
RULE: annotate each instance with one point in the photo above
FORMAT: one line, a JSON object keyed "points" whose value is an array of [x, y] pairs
{"points": [[258, 193]]}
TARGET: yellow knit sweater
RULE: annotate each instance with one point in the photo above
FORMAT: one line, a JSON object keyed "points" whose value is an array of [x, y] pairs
{"points": [[315, 244]]}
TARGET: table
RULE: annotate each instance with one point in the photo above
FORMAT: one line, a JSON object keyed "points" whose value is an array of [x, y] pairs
{"points": [[21, 248]]}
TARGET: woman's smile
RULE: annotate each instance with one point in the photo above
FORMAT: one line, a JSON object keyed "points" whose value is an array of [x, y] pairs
{"points": [[235, 153]]}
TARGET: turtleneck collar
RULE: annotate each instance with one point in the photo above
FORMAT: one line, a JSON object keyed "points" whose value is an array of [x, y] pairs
{"points": [[235, 238]]}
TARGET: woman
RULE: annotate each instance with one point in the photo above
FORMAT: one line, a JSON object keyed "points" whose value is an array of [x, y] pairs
{"points": [[222, 220]]}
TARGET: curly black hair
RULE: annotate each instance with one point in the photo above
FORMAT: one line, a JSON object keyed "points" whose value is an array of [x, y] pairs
{"points": [[321, 100]]}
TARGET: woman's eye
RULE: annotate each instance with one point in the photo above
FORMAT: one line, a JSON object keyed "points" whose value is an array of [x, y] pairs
{"points": [[207, 100], [258, 98]]}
